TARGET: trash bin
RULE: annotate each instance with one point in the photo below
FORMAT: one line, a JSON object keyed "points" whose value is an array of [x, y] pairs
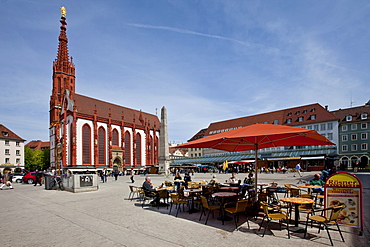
{"points": [[49, 185]]}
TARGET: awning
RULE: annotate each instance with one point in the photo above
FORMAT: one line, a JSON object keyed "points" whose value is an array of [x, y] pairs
{"points": [[313, 158], [241, 161], [292, 158]]}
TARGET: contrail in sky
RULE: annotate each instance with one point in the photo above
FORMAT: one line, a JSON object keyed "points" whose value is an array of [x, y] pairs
{"points": [[187, 32]]}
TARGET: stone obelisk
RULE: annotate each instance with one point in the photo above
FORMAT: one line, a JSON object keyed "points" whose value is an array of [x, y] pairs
{"points": [[164, 158]]}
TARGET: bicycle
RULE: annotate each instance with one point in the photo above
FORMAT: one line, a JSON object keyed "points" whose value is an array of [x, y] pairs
{"points": [[56, 181]]}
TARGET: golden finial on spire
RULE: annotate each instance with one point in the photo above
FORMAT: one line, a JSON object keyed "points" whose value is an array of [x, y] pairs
{"points": [[63, 11]]}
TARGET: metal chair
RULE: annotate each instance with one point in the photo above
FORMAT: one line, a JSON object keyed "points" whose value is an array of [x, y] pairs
{"points": [[334, 213], [280, 216], [206, 205], [240, 207]]}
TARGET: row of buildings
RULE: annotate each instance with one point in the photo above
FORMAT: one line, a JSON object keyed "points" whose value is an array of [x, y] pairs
{"points": [[348, 128]]}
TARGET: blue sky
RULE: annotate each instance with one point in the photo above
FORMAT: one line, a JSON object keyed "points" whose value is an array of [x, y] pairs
{"points": [[206, 61]]}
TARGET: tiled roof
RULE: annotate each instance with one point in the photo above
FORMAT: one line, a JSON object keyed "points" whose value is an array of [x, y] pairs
{"points": [[6, 133], [198, 135], [183, 151], [38, 145], [87, 105], [354, 112], [300, 115]]}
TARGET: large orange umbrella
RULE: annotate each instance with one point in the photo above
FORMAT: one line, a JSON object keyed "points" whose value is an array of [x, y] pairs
{"points": [[257, 136]]}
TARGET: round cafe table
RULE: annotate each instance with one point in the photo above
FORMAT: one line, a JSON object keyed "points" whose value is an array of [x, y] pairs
{"points": [[192, 194], [229, 188], [223, 196], [296, 201], [309, 187]]}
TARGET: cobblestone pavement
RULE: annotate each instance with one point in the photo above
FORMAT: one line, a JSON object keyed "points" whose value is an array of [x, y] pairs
{"points": [[33, 216]]}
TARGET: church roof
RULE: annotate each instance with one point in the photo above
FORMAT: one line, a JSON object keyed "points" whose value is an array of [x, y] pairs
{"points": [[86, 106]]}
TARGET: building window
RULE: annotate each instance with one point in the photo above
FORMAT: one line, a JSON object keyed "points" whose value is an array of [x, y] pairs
{"points": [[353, 126], [363, 125], [18, 161], [364, 146], [364, 116], [297, 112], [330, 126], [101, 146], [354, 137], [330, 136], [316, 127], [363, 136], [289, 114], [17, 152], [7, 160], [348, 118], [17, 144], [127, 148], [276, 121], [86, 144], [5, 133], [344, 148], [138, 149], [115, 138], [289, 120], [7, 151], [344, 138], [300, 119], [7, 143], [312, 117], [309, 127], [344, 128], [322, 127], [354, 147], [304, 111], [313, 110]]}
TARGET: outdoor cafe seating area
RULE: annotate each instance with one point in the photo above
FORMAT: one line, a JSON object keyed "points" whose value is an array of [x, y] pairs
{"points": [[273, 207]]}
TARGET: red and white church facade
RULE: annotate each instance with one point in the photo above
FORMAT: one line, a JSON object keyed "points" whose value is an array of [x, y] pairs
{"points": [[87, 133]]}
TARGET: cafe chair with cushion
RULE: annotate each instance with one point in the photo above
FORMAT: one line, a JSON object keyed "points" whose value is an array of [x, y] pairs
{"points": [[175, 199], [294, 192], [163, 194], [210, 207], [280, 216], [134, 190], [332, 219], [240, 207]]}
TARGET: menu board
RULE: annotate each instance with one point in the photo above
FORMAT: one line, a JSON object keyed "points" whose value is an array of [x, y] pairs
{"points": [[345, 189]]}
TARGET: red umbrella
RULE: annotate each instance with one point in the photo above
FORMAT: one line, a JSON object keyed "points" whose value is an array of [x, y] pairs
{"points": [[257, 136]]}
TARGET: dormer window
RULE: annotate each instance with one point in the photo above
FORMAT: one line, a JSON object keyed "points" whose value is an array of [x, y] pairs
{"points": [[300, 119], [289, 120], [297, 112], [313, 117], [5, 133], [348, 118], [305, 111], [364, 116], [313, 110], [289, 114]]}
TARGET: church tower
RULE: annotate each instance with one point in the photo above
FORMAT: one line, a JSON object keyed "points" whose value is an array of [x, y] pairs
{"points": [[63, 73]]}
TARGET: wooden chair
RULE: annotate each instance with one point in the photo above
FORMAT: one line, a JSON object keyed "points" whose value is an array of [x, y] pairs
{"points": [[240, 207], [280, 216], [210, 208], [175, 199], [332, 219], [163, 194]]}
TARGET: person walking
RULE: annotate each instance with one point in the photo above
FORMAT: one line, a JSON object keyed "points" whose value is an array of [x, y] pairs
{"points": [[116, 173], [7, 180], [132, 176], [38, 177], [298, 170]]}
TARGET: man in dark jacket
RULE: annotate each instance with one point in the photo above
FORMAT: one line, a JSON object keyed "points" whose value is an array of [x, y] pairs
{"points": [[150, 191], [38, 177]]}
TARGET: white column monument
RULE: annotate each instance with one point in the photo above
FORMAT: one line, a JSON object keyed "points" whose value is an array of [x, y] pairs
{"points": [[164, 158]]}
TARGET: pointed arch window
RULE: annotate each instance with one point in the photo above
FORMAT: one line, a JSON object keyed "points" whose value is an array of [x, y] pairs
{"points": [[115, 137], [86, 144], [127, 148], [138, 149], [101, 146]]}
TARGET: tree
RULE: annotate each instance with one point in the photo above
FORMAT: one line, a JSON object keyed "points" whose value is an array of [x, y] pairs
{"points": [[36, 159]]}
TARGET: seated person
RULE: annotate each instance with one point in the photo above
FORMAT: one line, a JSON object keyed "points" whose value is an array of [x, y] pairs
{"points": [[233, 179], [318, 182], [177, 177], [213, 181], [150, 191], [248, 181], [187, 179]]}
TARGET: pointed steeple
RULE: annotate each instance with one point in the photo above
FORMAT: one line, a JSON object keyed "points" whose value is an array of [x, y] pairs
{"points": [[63, 63]]}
